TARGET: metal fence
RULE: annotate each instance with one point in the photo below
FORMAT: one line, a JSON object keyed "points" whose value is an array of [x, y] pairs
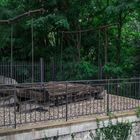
{"points": [[26, 72], [41, 71], [30, 103], [21, 72]]}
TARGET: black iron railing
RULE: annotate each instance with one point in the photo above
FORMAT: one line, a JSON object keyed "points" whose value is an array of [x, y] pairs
{"points": [[30, 103]]}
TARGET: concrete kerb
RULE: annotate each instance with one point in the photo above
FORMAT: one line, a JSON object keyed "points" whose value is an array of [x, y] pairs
{"points": [[82, 124]]}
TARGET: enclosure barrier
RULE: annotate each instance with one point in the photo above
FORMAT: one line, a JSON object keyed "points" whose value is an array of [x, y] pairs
{"points": [[40, 71], [21, 72], [29, 103]]}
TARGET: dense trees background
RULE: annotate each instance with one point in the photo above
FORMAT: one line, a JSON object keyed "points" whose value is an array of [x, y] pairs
{"points": [[85, 55]]}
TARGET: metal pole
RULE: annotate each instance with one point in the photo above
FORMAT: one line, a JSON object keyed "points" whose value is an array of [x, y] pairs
{"points": [[108, 97], [106, 50], [66, 101], [106, 46], [11, 68], [139, 88], [62, 56], [15, 117], [32, 37], [41, 70], [53, 69], [99, 58]]}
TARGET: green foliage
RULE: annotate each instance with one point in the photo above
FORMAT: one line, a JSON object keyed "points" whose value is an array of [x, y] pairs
{"points": [[123, 40], [51, 22], [46, 138], [119, 131], [54, 138], [138, 111], [77, 70], [3, 2], [112, 70], [72, 136]]}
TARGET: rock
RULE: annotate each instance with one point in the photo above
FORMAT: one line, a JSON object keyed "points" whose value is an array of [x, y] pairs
{"points": [[30, 106], [100, 95], [8, 101], [7, 80], [54, 93]]}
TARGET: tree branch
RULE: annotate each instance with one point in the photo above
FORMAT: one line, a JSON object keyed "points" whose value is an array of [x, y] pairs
{"points": [[29, 13]]}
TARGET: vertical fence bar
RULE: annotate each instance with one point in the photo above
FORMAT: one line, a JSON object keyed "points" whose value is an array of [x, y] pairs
{"points": [[66, 101], [53, 71], [15, 124], [11, 68], [4, 116], [32, 39], [108, 97], [99, 57], [41, 70], [106, 46], [139, 88], [61, 61]]}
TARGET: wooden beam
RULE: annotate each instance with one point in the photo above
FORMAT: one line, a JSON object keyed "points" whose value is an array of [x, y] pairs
{"points": [[14, 19]]}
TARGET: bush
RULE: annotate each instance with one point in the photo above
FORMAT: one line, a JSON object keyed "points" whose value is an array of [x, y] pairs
{"points": [[119, 131], [77, 71]]}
